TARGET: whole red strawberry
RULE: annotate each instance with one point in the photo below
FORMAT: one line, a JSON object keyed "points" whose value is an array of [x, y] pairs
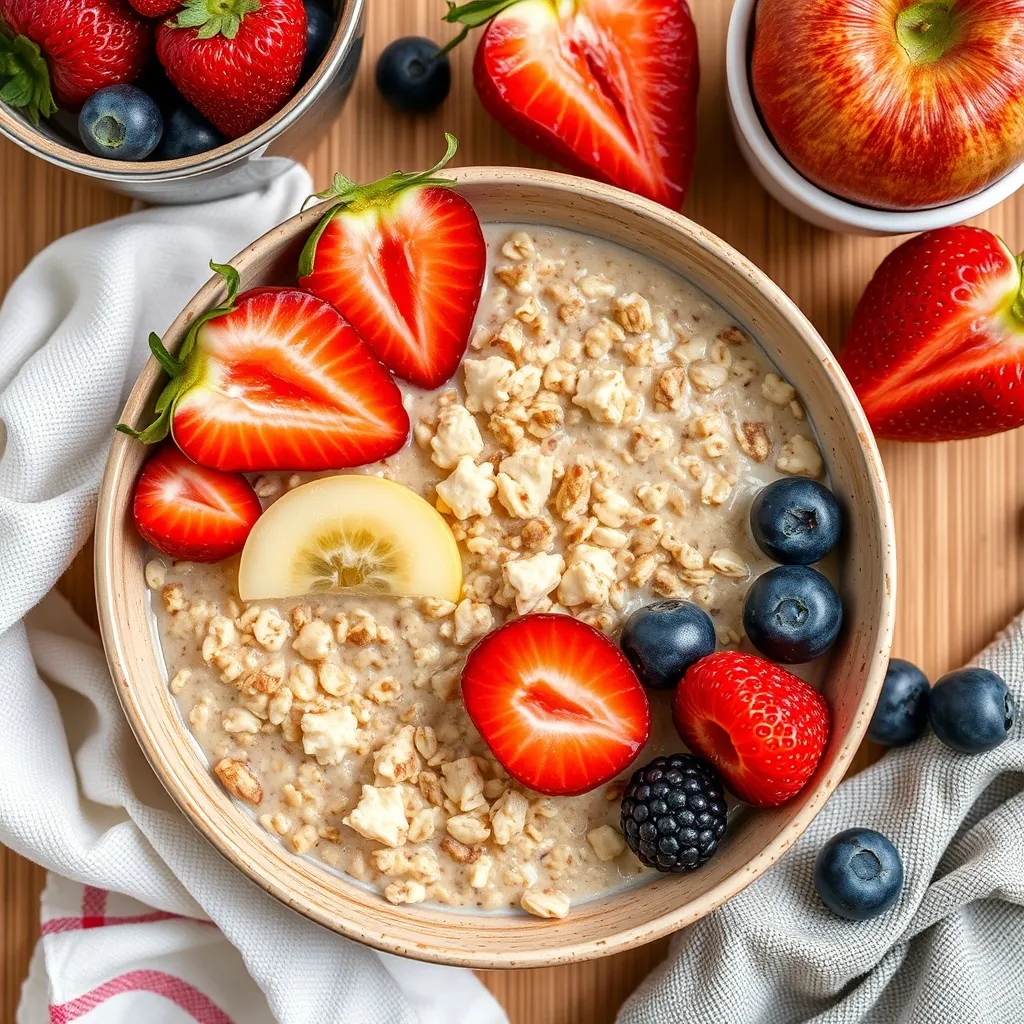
{"points": [[156, 8], [936, 348], [235, 61], [67, 50], [762, 727], [606, 87]]}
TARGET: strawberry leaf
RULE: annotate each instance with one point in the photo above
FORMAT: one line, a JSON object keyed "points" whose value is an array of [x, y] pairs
{"points": [[472, 15], [348, 195], [171, 365], [25, 77], [233, 282], [156, 431], [213, 18], [231, 279], [180, 369]]}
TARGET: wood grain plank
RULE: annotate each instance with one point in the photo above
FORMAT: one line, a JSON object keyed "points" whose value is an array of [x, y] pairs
{"points": [[958, 507]]}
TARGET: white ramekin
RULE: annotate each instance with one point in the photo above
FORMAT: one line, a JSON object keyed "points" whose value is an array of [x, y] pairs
{"points": [[795, 192]]}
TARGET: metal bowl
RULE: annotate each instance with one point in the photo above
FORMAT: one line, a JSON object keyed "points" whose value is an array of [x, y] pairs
{"points": [[238, 166]]}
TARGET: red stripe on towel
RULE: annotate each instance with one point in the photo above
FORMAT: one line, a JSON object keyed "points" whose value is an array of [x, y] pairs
{"points": [[196, 1004]]}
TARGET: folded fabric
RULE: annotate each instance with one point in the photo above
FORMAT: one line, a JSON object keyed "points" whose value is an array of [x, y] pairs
{"points": [[952, 949], [76, 794]]}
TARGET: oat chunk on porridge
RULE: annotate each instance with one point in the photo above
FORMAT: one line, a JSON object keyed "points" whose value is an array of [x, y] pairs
{"points": [[597, 450]]}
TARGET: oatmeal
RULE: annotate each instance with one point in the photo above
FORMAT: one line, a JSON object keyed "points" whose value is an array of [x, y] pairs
{"points": [[598, 449]]}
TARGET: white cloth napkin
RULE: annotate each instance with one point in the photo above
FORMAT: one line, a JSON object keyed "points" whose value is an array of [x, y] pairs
{"points": [[951, 950], [76, 794]]}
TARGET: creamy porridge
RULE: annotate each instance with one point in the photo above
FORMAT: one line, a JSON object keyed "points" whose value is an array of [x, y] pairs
{"points": [[598, 449]]}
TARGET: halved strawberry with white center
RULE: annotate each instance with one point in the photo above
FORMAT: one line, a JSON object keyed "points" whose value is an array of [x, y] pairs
{"points": [[557, 703], [190, 512], [606, 87], [275, 379], [935, 351], [403, 259]]}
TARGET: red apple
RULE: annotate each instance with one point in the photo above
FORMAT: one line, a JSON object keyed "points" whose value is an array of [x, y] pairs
{"points": [[898, 104]]}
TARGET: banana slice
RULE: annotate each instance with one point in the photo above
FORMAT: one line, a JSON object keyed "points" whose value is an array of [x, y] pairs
{"points": [[350, 534]]}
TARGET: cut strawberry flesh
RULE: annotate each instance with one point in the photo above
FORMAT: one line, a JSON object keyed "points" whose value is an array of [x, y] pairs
{"points": [[407, 274], [936, 347], [283, 382], [557, 703], [608, 88], [192, 513]]}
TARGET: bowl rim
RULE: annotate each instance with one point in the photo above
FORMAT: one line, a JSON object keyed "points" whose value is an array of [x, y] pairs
{"points": [[20, 132], [805, 192], [109, 517]]}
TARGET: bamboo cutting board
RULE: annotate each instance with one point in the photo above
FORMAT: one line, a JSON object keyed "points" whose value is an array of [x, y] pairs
{"points": [[958, 506]]}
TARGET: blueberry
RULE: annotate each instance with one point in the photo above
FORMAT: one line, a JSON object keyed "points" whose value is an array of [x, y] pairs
{"points": [[858, 874], [662, 640], [186, 133], [792, 614], [902, 710], [121, 122], [319, 33], [413, 76], [971, 710], [796, 521]]}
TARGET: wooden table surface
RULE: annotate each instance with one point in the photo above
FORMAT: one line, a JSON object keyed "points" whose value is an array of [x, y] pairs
{"points": [[958, 506]]}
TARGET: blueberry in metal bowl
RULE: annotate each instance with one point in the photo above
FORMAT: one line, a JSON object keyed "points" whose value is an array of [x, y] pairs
{"points": [[121, 122]]}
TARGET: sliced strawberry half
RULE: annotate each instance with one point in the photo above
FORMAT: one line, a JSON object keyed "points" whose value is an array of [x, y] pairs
{"points": [[607, 88], [403, 259], [935, 351], [276, 379], [190, 512], [557, 703]]}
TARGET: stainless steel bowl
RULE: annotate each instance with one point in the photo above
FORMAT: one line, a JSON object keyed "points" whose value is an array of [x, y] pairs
{"points": [[240, 165]]}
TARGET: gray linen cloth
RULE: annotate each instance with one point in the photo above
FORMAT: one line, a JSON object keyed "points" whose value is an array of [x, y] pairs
{"points": [[951, 950]]}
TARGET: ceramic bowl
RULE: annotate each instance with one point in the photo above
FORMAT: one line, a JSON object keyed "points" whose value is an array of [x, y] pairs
{"points": [[783, 182], [240, 165], [622, 919]]}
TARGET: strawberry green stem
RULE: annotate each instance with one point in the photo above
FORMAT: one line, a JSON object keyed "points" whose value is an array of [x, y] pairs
{"points": [[24, 76], [347, 195], [926, 30], [181, 369], [214, 17], [472, 15]]}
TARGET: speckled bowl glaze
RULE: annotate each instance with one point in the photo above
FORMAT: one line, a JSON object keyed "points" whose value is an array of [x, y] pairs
{"points": [[620, 919]]}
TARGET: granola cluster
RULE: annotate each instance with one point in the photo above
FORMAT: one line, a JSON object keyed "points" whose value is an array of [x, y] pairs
{"points": [[597, 451]]}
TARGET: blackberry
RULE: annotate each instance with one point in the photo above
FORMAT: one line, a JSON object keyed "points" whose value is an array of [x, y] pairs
{"points": [[673, 812]]}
